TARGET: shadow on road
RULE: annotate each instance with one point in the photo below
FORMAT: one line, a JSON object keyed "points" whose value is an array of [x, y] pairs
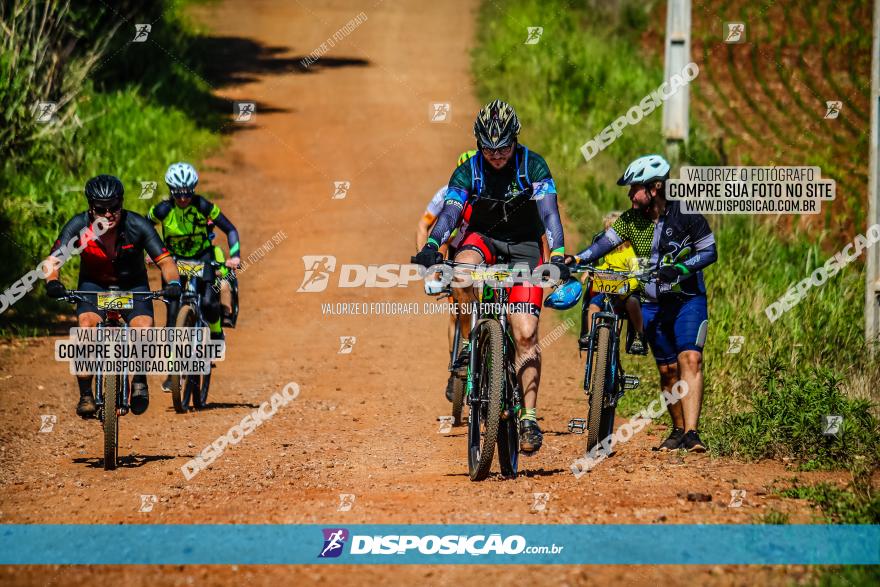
{"points": [[126, 462]]}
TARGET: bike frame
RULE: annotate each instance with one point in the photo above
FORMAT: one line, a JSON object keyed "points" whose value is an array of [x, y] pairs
{"points": [[190, 295], [512, 393]]}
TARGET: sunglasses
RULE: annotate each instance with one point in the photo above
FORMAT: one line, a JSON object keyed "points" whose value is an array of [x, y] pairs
{"points": [[503, 151], [102, 210], [181, 195]]}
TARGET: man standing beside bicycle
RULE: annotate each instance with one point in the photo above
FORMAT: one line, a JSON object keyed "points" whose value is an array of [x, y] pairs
{"points": [[513, 200], [113, 259], [679, 246]]}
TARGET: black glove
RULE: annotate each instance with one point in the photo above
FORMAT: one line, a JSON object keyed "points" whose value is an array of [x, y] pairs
{"points": [[558, 261], [55, 289], [429, 255], [172, 291], [668, 274]]}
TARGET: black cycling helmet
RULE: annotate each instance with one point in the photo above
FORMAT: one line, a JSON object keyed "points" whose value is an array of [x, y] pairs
{"points": [[104, 189], [496, 125]]}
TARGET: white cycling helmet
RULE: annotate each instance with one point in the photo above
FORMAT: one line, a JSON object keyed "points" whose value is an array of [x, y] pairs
{"points": [[645, 170], [181, 176]]}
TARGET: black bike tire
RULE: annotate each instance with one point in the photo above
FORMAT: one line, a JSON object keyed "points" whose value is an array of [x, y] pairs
{"points": [[489, 343], [200, 392], [598, 383], [110, 387], [458, 387], [186, 318]]}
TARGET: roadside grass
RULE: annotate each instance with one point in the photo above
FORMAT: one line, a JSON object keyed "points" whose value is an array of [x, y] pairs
{"points": [[769, 399], [132, 111]]}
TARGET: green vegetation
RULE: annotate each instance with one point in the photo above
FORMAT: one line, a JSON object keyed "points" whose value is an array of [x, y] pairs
{"points": [[123, 108], [768, 400], [839, 506], [773, 517]]}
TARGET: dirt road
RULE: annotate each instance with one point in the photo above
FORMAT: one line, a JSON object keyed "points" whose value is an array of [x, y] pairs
{"points": [[366, 421]]}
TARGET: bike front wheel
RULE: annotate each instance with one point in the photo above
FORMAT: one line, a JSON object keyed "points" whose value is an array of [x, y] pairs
{"points": [[599, 383], [110, 385], [486, 399], [200, 385], [180, 386]]}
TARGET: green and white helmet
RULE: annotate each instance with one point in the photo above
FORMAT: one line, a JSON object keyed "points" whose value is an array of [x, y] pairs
{"points": [[496, 125], [644, 170]]}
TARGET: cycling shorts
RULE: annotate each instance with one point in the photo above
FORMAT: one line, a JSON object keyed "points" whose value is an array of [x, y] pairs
{"points": [[617, 302], [496, 251], [142, 306], [675, 324]]}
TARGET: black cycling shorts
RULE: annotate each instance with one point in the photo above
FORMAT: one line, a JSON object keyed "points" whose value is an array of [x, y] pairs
{"points": [[142, 306]]}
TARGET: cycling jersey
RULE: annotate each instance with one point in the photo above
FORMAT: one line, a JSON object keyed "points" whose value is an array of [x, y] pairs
{"points": [[186, 230], [433, 210], [514, 204], [620, 259], [435, 205], [125, 265], [676, 238]]}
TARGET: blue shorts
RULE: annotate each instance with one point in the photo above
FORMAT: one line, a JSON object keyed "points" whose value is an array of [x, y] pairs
{"points": [[674, 325], [617, 302]]}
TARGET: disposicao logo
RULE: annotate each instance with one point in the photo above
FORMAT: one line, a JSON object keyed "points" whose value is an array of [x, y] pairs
{"points": [[334, 541]]}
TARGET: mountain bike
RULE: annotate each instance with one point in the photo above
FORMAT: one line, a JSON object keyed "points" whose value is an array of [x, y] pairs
{"points": [[194, 276], [112, 390], [605, 380], [492, 390]]}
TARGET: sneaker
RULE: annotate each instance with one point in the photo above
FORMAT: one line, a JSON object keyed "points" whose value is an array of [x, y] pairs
{"points": [[674, 441], [140, 398], [692, 442], [86, 407], [461, 363], [166, 385], [638, 346], [530, 437], [584, 342], [227, 319]]}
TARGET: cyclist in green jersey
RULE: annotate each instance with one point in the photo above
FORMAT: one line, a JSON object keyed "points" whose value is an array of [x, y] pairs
{"points": [[186, 220]]}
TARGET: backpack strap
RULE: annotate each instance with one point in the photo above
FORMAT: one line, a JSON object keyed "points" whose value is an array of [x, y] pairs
{"points": [[476, 175], [522, 172]]}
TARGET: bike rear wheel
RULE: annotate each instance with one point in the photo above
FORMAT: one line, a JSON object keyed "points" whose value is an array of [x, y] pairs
{"points": [[180, 387], [458, 389], [485, 414], [599, 380], [111, 389], [459, 380]]}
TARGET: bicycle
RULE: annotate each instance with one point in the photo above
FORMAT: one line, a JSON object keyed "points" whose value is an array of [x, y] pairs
{"points": [[492, 391], [605, 380], [191, 386], [111, 389]]}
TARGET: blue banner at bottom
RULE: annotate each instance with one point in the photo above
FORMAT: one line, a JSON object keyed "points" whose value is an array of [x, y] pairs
{"points": [[245, 544]]}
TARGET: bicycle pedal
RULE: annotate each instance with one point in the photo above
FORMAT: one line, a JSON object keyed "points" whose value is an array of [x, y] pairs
{"points": [[631, 381], [577, 425]]}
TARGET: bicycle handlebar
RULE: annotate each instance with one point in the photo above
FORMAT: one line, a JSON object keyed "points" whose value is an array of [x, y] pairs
{"points": [[74, 296]]}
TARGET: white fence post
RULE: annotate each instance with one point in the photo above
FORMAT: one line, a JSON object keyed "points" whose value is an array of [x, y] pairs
{"points": [[678, 54], [872, 257]]}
